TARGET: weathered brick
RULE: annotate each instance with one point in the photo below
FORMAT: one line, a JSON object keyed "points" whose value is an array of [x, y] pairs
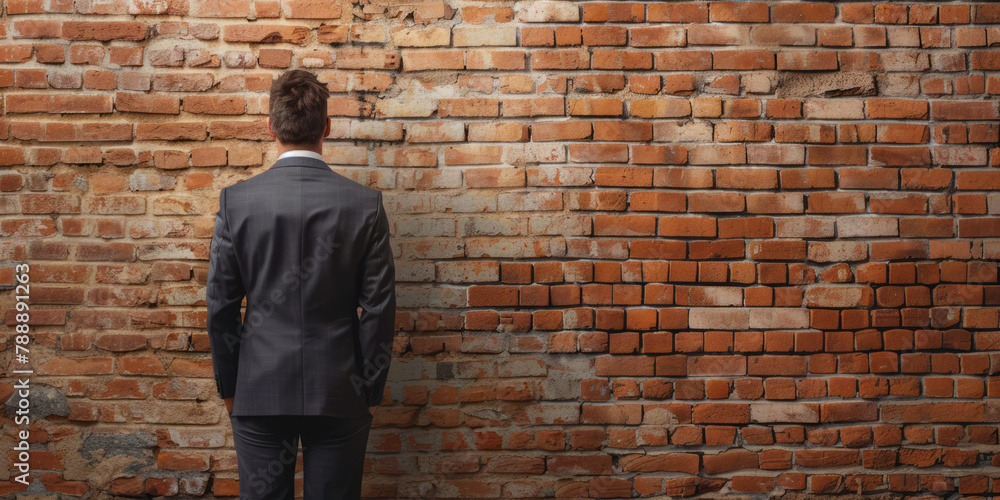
{"points": [[104, 30]]}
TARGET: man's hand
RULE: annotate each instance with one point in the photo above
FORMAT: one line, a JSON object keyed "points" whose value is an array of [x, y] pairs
{"points": [[229, 405], [371, 409]]}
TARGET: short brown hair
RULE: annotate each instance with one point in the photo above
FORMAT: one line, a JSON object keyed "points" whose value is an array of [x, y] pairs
{"points": [[298, 107]]}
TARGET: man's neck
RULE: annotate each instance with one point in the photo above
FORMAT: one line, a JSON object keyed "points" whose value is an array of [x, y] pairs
{"points": [[316, 148]]}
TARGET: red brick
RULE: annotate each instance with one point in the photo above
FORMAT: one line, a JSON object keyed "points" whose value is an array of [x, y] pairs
{"points": [[687, 60], [143, 103], [104, 30], [264, 33], [739, 12], [729, 461], [560, 59], [837, 155], [804, 12], [678, 13], [823, 60], [657, 36], [742, 59], [964, 110]]}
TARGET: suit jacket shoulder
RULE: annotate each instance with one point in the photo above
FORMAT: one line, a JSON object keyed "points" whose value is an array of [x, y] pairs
{"points": [[265, 179]]}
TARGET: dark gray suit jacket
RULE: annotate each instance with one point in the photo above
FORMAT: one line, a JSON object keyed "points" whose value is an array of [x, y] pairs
{"points": [[307, 247]]}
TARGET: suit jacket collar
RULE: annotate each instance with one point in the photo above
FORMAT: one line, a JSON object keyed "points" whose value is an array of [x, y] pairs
{"points": [[300, 161]]}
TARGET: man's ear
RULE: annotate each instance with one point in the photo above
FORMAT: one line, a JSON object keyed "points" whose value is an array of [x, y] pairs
{"points": [[269, 131], [326, 132]]}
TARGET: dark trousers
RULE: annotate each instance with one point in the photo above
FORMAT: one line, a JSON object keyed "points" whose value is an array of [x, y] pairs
{"points": [[333, 455]]}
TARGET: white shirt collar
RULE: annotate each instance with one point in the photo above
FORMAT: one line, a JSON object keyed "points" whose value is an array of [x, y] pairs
{"points": [[301, 152]]}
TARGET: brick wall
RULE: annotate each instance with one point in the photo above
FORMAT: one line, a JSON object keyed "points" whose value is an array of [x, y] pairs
{"points": [[672, 248]]}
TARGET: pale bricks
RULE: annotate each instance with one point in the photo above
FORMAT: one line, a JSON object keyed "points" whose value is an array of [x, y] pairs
{"points": [[483, 36], [547, 12], [310, 9], [421, 37], [405, 106], [478, 59], [862, 226], [665, 36], [839, 296], [719, 34], [669, 131], [435, 132], [837, 251], [204, 8], [783, 35], [840, 109], [777, 317], [717, 154], [784, 413], [424, 60], [719, 318]]}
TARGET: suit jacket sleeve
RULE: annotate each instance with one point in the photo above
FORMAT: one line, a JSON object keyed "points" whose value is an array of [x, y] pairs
{"points": [[224, 294], [377, 298]]}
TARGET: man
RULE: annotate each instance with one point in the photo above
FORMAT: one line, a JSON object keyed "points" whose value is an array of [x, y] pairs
{"points": [[308, 248]]}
